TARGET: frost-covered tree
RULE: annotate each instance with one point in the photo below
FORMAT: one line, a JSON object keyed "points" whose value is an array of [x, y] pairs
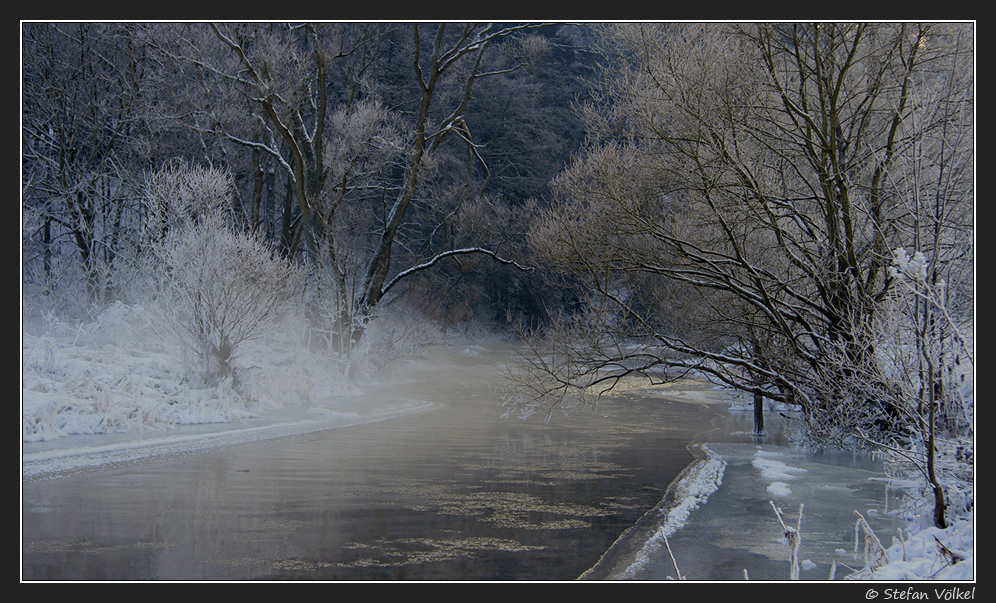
{"points": [[219, 287], [83, 134], [740, 201], [362, 144], [923, 331]]}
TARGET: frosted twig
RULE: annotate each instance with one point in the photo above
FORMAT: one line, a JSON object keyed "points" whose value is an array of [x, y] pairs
{"points": [[950, 556], [671, 555], [794, 538], [872, 543]]}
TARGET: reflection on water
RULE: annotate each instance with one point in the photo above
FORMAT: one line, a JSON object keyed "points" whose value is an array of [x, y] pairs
{"points": [[451, 494]]}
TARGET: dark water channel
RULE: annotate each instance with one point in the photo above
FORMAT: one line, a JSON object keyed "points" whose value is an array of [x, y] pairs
{"points": [[457, 493]]}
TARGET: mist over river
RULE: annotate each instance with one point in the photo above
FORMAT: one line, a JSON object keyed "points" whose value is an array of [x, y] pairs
{"points": [[452, 493]]}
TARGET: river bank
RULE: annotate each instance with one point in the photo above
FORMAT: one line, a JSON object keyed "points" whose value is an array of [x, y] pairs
{"points": [[455, 492], [718, 520], [334, 491]]}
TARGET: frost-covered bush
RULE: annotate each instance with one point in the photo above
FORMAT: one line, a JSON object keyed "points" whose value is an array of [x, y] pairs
{"points": [[220, 288], [177, 194], [912, 395]]}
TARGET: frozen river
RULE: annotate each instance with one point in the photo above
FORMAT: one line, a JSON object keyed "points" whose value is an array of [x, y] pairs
{"points": [[451, 493]]}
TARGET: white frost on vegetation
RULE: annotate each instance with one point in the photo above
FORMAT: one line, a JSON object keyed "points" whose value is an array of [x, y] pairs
{"points": [[119, 375]]}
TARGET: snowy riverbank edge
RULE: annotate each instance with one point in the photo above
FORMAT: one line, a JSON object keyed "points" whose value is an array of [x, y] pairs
{"points": [[690, 489], [924, 554], [57, 462]]}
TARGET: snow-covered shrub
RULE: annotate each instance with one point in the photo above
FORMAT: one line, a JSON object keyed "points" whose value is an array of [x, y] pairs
{"points": [[392, 337], [218, 286], [219, 289], [177, 194], [910, 394]]}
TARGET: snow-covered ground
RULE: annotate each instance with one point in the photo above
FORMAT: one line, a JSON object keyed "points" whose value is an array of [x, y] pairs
{"points": [[113, 391], [121, 375]]}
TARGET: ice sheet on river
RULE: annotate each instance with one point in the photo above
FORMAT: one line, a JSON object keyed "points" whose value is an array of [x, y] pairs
{"points": [[720, 524]]}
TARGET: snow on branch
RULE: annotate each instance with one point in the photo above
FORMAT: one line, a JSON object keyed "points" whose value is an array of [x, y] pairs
{"points": [[452, 252]]}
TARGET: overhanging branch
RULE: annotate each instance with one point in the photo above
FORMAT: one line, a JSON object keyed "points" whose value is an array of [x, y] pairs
{"points": [[453, 252]]}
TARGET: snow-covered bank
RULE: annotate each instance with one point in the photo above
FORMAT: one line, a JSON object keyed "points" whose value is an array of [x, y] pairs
{"points": [[125, 397], [712, 519], [115, 391], [45, 462], [930, 554], [119, 375]]}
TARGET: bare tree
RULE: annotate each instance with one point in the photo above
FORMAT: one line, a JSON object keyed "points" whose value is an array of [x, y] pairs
{"points": [[356, 169], [470, 45], [755, 168], [83, 85], [219, 287], [923, 329]]}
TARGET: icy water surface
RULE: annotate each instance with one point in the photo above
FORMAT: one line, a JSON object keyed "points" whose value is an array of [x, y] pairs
{"points": [[456, 493]]}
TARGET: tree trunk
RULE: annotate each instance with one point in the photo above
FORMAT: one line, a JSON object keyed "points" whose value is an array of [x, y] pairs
{"points": [[939, 502], [758, 414]]}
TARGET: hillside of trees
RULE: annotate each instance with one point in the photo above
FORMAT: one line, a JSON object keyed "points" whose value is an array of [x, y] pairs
{"points": [[785, 208], [370, 147]]}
